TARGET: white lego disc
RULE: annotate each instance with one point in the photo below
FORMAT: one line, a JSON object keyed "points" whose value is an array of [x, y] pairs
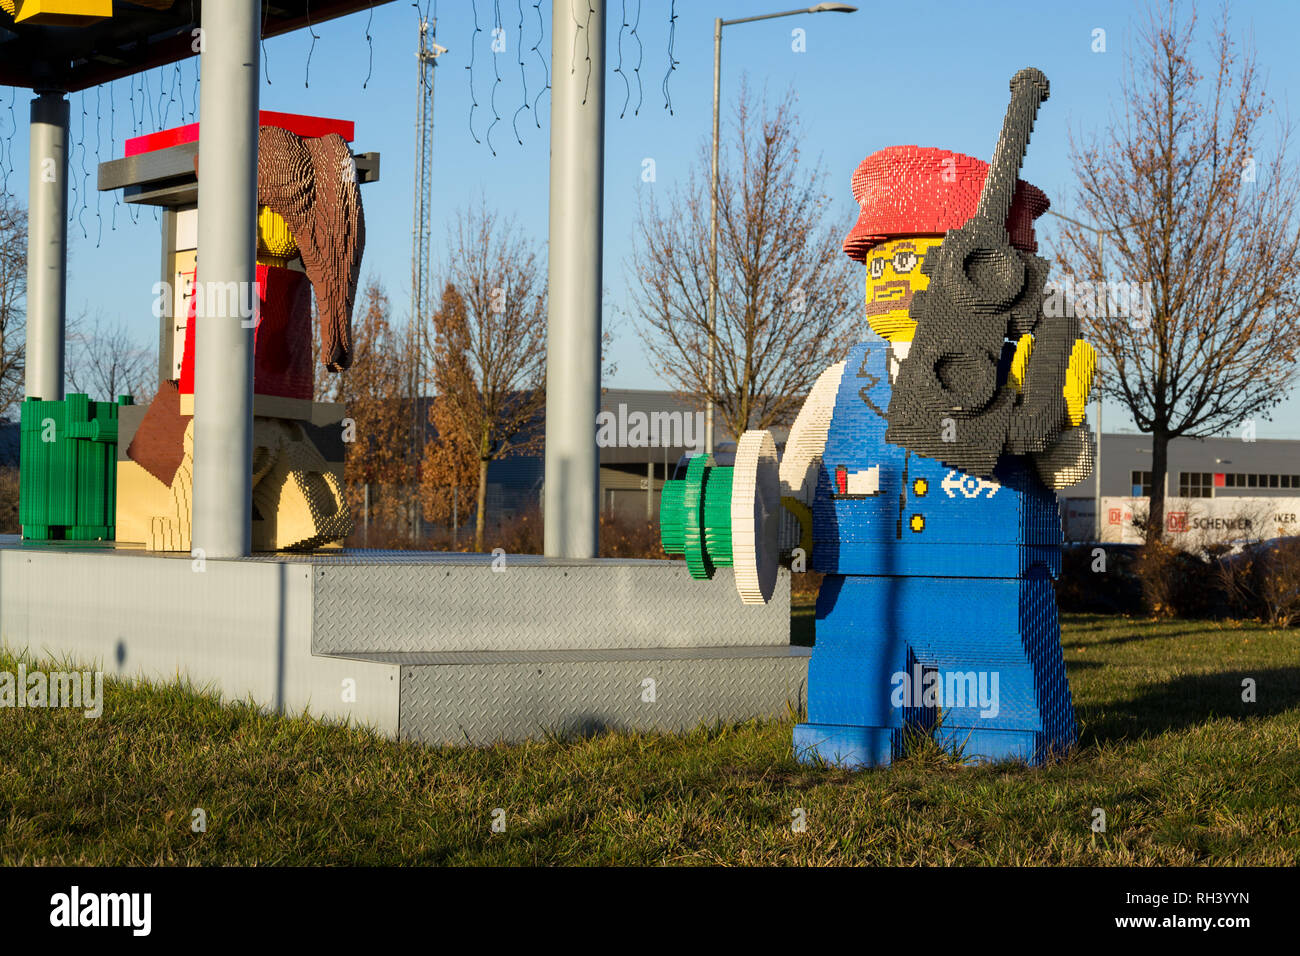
{"points": [[755, 516]]}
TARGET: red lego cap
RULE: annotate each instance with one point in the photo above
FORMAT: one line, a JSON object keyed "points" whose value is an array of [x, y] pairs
{"points": [[922, 191]]}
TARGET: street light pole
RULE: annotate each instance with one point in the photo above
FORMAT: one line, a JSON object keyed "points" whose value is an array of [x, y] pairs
{"points": [[718, 24], [713, 238]]}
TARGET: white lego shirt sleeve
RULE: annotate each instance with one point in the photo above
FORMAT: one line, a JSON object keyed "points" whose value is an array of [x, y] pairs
{"points": [[804, 447]]}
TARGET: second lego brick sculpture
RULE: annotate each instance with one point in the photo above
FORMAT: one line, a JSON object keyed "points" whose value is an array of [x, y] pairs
{"points": [[919, 475]]}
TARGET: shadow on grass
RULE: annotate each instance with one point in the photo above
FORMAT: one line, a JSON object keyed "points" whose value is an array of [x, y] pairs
{"points": [[1087, 623], [1153, 633], [803, 625], [1192, 700]]}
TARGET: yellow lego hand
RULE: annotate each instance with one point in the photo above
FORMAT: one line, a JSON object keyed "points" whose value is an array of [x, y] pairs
{"points": [[1020, 362], [1078, 374], [1078, 379]]}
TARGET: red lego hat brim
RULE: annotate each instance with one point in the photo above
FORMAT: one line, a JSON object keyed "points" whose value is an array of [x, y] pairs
{"points": [[907, 191]]}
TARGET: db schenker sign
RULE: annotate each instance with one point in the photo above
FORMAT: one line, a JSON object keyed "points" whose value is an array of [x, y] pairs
{"points": [[1195, 522]]}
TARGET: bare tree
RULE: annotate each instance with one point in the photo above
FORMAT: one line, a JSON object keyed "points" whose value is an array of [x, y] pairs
{"points": [[13, 286], [1213, 242], [105, 361], [13, 291], [786, 294], [376, 391], [486, 345]]}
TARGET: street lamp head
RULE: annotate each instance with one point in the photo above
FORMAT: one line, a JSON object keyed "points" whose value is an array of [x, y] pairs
{"points": [[833, 8]]}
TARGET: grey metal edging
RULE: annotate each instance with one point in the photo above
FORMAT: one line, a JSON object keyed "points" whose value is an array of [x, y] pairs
{"points": [[461, 607], [563, 656]]}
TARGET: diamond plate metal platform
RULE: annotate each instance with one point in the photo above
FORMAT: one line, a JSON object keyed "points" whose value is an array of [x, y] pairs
{"points": [[430, 647], [535, 604], [485, 703]]}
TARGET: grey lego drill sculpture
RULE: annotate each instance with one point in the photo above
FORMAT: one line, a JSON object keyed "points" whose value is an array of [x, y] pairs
{"points": [[947, 402]]}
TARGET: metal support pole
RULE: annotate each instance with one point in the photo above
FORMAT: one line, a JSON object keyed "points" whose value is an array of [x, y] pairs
{"points": [[223, 376], [713, 239], [47, 246], [1097, 467], [574, 316], [1101, 266], [650, 490]]}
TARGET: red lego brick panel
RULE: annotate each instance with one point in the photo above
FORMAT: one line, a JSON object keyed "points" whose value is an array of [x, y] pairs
{"points": [[305, 126], [282, 359], [282, 341]]}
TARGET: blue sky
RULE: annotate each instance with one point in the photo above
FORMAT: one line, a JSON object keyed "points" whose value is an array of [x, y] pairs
{"points": [[878, 77]]}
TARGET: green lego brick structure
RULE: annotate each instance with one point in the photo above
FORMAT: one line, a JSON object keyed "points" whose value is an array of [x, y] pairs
{"points": [[695, 517], [68, 469]]}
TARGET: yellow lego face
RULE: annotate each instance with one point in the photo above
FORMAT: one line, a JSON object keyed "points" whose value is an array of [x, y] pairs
{"points": [[893, 277]]}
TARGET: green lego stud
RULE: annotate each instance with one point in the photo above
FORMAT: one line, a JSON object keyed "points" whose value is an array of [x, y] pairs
{"points": [[695, 517], [672, 518]]}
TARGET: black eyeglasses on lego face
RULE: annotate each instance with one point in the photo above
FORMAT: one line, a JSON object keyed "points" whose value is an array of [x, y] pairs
{"points": [[903, 261]]}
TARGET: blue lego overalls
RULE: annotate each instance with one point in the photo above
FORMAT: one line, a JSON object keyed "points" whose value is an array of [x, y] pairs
{"points": [[937, 611]]}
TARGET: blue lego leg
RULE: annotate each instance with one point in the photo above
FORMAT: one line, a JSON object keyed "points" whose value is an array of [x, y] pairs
{"points": [[851, 722], [986, 649], [844, 746]]}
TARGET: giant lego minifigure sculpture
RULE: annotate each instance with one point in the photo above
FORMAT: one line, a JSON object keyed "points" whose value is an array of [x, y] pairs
{"points": [[919, 473], [310, 236]]}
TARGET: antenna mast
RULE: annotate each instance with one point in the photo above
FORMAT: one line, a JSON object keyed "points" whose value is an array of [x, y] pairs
{"points": [[426, 61]]}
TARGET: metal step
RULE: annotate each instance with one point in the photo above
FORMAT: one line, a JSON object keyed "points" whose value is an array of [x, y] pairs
{"points": [[482, 699]]}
